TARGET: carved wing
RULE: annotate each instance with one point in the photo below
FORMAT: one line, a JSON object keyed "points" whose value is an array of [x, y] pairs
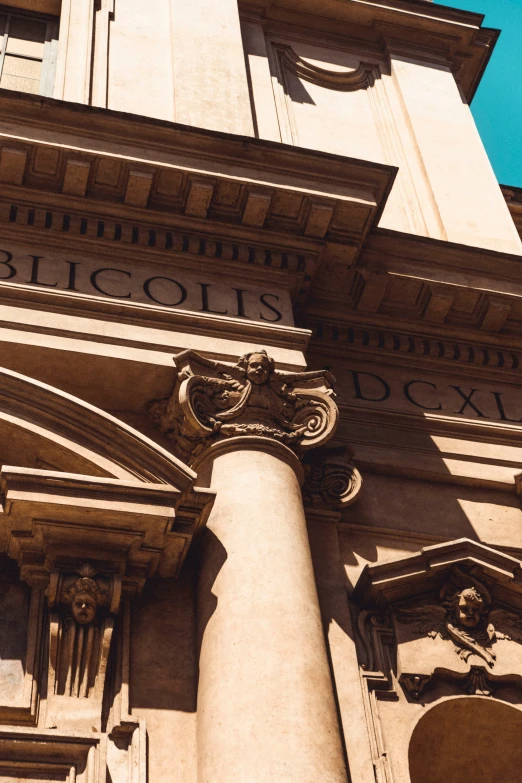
{"points": [[201, 365], [302, 379], [429, 619], [507, 625]]}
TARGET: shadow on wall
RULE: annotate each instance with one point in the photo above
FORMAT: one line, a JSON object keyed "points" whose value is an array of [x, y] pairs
{"points": [[166, 635], [163, 660]]}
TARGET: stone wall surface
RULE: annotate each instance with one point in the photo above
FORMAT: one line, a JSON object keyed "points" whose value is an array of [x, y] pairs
{"points": [[260, 412]]}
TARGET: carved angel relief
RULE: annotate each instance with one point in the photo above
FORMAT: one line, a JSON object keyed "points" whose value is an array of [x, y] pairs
{"points": [[214, 400], [464, 616], [466, 636]]}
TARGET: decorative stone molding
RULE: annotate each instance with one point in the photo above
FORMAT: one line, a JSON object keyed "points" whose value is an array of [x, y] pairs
{"points": [[212, 400], [414, 346], [159, 238], [360, 78], [185, 178], [457, 617], [332, 479]]}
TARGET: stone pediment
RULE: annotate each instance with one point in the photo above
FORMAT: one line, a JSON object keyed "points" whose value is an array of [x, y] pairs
{"points": [[452, 612]]}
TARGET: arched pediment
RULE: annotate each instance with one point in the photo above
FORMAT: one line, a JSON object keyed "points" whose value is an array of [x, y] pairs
{"points": [[85, 485], [41, 426]]}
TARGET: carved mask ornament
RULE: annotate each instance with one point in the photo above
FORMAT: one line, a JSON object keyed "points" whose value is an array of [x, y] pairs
{"points": [[80, 634], [212, 400], [84, 597]]}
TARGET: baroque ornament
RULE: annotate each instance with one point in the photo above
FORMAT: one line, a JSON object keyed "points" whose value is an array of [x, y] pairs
{"points": [[84, 596], [213, 400], [464, 615], [80, 634], [331, 481]]}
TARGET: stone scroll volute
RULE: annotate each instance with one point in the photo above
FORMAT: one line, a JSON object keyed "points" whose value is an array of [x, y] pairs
{"points": [[213, 400]]}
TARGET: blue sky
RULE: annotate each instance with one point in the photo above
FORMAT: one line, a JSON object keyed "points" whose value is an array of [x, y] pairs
{"points": [[497, 106]]}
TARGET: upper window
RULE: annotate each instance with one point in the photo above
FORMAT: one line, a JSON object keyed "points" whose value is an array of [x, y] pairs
{"points": [[28, 47]]}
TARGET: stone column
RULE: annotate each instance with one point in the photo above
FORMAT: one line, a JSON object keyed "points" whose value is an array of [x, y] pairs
{"points": [[266, 709]]}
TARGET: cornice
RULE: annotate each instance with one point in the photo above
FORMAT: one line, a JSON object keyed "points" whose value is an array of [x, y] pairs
{"points": [[185, 170], [513, 197], [389, 246], [423, 286], [434, 31], [117, 177]]}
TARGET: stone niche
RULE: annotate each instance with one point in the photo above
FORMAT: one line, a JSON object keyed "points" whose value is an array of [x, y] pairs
{"points": [[435, 628]]}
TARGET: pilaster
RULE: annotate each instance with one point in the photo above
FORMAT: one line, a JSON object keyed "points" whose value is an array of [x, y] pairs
{"points": [[210, 80]]}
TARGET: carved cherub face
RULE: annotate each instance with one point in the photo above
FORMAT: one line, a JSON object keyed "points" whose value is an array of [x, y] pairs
{"points": [[469, 609], [258, 368], [83, 608]]}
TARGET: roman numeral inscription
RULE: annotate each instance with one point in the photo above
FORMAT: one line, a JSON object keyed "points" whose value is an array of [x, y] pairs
{"points": [[434, 394]]}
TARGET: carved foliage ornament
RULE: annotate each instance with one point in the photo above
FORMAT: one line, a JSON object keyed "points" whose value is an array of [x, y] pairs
{"points": [[214, 400], [464, 615]]}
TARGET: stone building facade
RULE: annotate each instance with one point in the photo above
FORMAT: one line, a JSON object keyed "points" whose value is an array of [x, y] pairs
{"points": [[260, 397]]}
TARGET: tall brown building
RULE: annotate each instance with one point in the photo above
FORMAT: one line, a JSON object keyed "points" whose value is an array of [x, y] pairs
{"points": [[260, 397]]}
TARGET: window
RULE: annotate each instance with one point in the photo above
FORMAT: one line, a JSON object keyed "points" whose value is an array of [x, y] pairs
{"points": [[28, 46]]}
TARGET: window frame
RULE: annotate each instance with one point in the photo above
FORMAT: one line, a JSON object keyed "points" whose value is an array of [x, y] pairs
{"points": [[50, 53]]}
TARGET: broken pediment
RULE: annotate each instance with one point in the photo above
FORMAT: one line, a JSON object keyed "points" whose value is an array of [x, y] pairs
{"points": [[450, 612]]}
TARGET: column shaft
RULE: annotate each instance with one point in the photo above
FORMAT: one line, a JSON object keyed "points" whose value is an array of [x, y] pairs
{"points": [[266, 709]]}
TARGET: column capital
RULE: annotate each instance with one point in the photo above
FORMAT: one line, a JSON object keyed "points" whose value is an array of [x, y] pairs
{"points": [[213, 401]]}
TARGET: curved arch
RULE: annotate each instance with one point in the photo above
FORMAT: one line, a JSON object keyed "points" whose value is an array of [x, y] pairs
{"points": [[94, 439], [467, 737]]}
